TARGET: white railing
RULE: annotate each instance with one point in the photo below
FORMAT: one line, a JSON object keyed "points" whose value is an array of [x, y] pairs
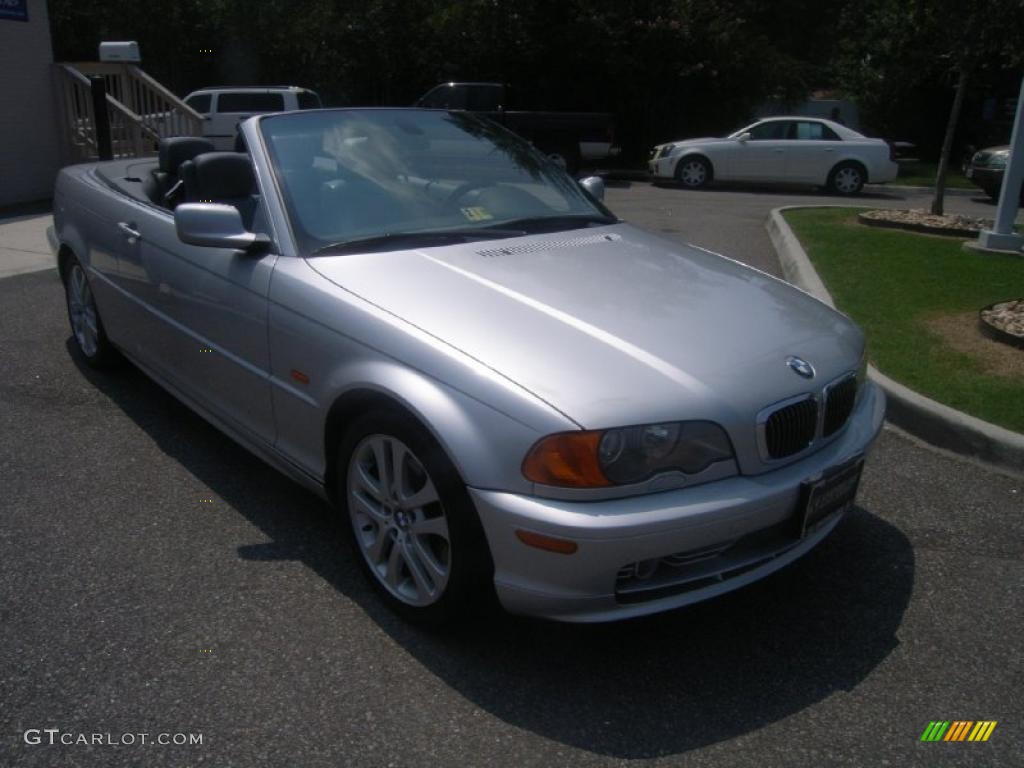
{"points": [[141, 111], [128, 136]]}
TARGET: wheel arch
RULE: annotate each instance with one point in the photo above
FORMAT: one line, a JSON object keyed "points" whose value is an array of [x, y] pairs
{"points": [[65, 255], [463, 428], [343, 410], [71, 245], [850, 160], [692, 154]]}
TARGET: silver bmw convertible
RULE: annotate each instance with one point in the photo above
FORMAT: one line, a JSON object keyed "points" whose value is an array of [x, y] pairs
{"points": [[503, 389]]}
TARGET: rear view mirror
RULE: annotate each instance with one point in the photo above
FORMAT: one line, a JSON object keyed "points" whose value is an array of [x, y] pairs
{"points": [[214, 225], [743, 137], [594, 185]]}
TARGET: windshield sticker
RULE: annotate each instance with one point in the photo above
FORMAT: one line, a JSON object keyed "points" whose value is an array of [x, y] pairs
{"points": [[476, 213]]}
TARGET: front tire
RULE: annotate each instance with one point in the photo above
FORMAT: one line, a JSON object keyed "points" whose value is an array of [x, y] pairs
{"points": [[86, 326], [411, 522], [847, 179], [693, 172]]}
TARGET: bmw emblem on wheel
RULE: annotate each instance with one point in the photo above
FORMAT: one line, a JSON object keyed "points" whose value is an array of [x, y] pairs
{"points": [[800, 366]]}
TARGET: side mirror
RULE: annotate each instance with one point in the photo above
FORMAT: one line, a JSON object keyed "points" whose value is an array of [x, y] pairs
{"points": [[213, 225], [594, 185], [743, 137]]}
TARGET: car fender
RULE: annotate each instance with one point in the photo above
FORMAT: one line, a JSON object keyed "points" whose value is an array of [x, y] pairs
{"points": [[695, 152], [70, 238], [68, 234], [463, 426]]}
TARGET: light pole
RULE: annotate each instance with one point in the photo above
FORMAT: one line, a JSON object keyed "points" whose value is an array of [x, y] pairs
{"points": [[1002, 236]]}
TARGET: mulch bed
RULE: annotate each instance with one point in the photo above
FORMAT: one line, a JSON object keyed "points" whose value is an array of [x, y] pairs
{"points": [[1004, 321], [950, 224]]}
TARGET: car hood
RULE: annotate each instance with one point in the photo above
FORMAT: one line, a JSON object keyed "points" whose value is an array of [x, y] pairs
{"points": [[690, 142], [612, 325]]}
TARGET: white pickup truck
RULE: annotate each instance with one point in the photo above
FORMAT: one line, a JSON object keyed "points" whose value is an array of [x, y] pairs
{"points": [[223, 108]]}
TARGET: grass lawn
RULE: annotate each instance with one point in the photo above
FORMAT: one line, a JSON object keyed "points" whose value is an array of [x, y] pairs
{"points": [[916, 173], [917, 298]]}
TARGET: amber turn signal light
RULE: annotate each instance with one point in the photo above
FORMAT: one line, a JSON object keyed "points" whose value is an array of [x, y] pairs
{"points": [[549, 543], [568, 459]]}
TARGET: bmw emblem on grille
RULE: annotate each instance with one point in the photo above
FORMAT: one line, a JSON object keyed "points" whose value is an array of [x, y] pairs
{"points": [[800, 366]]}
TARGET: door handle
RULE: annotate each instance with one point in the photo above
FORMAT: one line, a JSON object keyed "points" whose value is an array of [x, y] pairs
{"points": [[128, 231], [830, 149], [778, 150]]}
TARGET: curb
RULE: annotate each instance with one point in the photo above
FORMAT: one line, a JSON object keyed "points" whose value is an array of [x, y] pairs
{"points": [[955, 191], [17, 258], [921, 416]]}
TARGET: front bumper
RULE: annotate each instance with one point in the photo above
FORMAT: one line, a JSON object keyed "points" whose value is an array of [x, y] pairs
{"points": [[662, 167], [988, 179], [735, 528]]}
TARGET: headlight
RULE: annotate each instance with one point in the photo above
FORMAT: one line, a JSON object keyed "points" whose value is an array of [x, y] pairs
{"points": [[626, 455], [667, 150]]}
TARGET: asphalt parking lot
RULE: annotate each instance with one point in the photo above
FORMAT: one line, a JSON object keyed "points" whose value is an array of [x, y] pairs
{"points": [[155, 578]]}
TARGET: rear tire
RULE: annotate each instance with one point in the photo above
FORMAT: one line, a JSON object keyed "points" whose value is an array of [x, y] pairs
{"points": [[411, 523], [86, 325], [693, 172], [847, 179]]}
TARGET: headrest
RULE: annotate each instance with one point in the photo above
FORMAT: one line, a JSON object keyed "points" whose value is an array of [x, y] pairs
{"points": [[220, 176], [177, 149]]}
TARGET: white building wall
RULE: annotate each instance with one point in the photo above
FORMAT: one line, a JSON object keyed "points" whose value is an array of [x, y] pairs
{"points": [[29, 133]]}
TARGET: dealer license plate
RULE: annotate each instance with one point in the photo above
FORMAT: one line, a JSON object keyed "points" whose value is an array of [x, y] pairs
{"points": [[832, 494]]}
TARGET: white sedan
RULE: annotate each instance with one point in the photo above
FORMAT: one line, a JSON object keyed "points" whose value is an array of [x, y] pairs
{"points": [[797, 150]]}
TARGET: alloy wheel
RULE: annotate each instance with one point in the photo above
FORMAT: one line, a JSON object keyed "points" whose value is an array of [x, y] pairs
{"points": [[399, 521], [82, 309]]}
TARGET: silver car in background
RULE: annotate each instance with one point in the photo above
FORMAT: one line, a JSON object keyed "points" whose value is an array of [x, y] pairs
{"points": [[502, 387], [790, 150]]}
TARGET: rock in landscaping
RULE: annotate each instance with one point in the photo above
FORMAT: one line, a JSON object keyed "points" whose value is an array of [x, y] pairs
{"points": [[922, 221], [1007, 316]]}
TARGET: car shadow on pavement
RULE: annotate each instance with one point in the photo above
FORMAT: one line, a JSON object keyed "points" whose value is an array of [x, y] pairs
{"points": [[643, 688]]}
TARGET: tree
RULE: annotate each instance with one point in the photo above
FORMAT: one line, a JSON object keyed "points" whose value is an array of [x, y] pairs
{"points": [[666, 68], [897, 50]]}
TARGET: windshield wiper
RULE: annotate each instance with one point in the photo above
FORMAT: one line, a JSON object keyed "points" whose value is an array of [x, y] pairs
{"points": [[540, 224], [426, 238]]}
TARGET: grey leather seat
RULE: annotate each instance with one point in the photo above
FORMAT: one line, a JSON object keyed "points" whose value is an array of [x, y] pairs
{"points": [[222, 177], [173, 151]]}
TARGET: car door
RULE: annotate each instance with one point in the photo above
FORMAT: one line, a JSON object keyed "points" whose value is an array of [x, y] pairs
{"points": [[763, 156], [234, 107], [812, 151], [200, 320]]}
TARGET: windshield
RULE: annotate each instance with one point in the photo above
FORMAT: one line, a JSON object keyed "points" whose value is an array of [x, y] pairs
{"points": [[369, 175]]}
